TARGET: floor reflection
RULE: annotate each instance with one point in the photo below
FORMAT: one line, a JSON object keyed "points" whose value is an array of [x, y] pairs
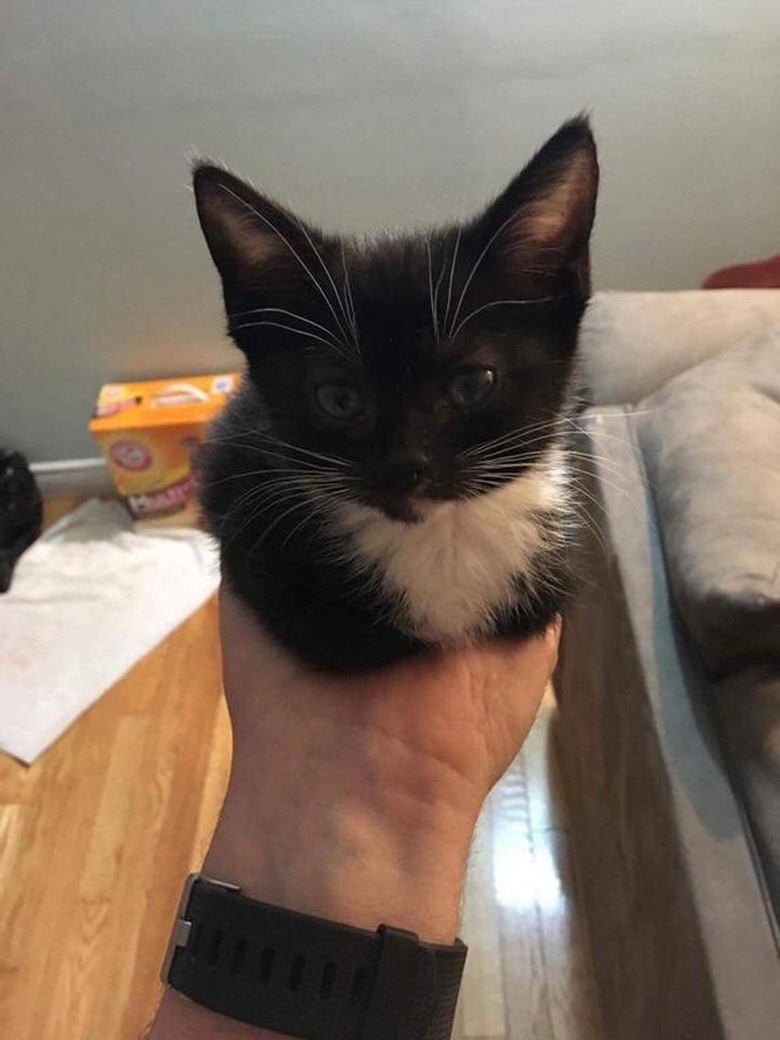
{"points": [[529, 973]]}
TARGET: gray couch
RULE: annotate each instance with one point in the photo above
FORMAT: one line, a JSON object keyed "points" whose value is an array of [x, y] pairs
{"points": [[669, 676]]}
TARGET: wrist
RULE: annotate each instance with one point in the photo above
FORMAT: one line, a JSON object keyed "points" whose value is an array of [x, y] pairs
{"points": [[363, 839], [361, 836]]}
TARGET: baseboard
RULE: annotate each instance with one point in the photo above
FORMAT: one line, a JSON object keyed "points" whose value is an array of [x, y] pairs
{"points": [[72, 477]]}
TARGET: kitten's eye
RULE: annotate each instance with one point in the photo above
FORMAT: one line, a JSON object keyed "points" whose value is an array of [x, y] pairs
{"points": [[339, 400], [471, 387]]}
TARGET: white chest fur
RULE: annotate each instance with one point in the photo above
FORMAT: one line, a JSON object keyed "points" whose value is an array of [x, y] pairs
{"points": [[452, 573]]}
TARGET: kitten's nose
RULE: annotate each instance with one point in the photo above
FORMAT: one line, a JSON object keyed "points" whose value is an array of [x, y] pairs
{"points": [[405, 472]]}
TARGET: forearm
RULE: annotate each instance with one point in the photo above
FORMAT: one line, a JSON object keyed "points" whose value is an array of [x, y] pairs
{"points": [[341, 833]]}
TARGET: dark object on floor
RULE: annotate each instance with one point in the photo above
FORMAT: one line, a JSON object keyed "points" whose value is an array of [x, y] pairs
{"points": [[763, 274], [21, 512]]}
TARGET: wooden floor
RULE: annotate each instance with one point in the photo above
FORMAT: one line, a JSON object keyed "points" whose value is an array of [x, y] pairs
{"points": [[97, 835], [528, 974]]}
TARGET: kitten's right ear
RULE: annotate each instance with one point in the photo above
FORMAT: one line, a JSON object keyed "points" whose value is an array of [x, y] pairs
{"points": [[246, 233], [542, 222]]}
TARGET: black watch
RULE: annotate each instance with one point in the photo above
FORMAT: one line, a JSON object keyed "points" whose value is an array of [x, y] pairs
{"points": [[307, 977]]}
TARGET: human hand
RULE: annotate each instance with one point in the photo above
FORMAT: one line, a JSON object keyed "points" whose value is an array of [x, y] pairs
{"points": [[355, 799]]}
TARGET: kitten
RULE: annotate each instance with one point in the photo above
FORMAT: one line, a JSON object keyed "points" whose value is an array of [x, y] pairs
{"points": [[392, 474]]}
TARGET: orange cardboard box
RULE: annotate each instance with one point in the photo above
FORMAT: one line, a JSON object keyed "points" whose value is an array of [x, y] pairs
{"points": [[147, 433]]}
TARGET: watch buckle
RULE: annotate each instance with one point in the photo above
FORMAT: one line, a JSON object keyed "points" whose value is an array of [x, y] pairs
{"points": [[180, 932]]}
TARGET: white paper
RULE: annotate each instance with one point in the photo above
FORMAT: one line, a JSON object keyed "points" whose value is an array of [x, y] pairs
{"points": [[87, 601]]}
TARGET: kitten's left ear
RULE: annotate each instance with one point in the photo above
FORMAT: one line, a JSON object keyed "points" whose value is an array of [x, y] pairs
{"points": [[540, 225], [247, 233]]}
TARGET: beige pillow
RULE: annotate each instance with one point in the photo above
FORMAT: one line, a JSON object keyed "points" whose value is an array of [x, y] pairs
{"points": [[633, 343], [711, 446]]}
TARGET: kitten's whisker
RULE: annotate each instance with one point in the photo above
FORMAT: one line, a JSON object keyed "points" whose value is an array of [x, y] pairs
{"points": [[507, 461], [236, 436], [624, 492], [515, 438], [585, 520], [266, 436], [481, 485], [541, 444], [256, 515], [272, 498], [254, 505], [265, 487], [436, 297], [612, 467], [502, 303], [350, 299], [298, 464], [287, 512], [277, 490], [581, 493], [301, 462], [333, 459], [309, 517], [504, 468], [328, 275], [319, 499], [286, 241], [549, 424], [506, 451], [299, 477], [289, 314], [247, 473], [233, 442], [475, 267], [611, 437], [452, 275], [434, 314], [291, 329], [577, 419]]}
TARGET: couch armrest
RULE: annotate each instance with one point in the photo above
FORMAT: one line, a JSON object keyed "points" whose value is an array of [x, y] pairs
{"points": [[632, 343]]}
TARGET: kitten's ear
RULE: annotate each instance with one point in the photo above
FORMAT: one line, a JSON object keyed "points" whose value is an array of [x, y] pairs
{"points": [[246, 233], [541, 223]]}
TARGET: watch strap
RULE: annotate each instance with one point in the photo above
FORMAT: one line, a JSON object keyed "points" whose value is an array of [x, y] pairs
{"points": [[308, 977]]}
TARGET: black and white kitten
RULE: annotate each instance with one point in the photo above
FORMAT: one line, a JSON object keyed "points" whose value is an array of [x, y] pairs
{"points": [[392, 474]]}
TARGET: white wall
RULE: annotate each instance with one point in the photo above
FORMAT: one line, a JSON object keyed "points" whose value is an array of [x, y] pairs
{"points": [[362, 115]]}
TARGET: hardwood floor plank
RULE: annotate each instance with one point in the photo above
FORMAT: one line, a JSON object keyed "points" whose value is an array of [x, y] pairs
{"points": [[544, 785], [15, 825], [482, 1011], [188, 724], [517, 885], [544, 933], [571, 987], [120, 857], [65, 808]]}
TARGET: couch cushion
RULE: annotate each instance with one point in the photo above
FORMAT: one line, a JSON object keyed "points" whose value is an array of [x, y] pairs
{"points": [[631, 343], [711, 445]]}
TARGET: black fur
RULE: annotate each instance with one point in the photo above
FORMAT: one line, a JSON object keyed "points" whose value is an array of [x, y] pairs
{"points": [[279, 553]]}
